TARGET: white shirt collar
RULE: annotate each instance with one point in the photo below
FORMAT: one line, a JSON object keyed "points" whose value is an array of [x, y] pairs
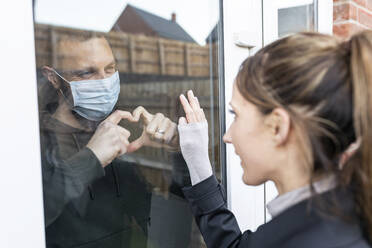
{"points": [[289, 199]]}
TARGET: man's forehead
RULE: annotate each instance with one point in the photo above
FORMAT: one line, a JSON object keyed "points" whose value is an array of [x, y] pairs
{"points": [[75, 47], [75, 54]]}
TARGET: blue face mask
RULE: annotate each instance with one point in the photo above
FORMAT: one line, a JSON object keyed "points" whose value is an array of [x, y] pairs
{"points": [[95, 99]]}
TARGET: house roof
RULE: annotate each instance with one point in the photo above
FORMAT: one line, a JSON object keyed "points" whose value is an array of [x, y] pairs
{"points": [[213, 35], [164, 28]]}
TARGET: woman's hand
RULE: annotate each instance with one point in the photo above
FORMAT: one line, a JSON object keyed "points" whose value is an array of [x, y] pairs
{"points": [[193, 131], [194, 113]]}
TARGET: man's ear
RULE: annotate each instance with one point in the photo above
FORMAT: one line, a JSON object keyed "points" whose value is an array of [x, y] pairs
{"points": [[49, 74], [279, 123]]}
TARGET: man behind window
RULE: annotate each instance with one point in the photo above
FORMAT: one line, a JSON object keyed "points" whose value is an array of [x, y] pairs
{"points": [[91, 198]]}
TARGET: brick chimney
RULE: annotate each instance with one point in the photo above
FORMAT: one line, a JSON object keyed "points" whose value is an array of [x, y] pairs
{"points": [[174, 17]]}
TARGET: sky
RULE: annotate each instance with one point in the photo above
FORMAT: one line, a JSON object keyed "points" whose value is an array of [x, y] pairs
{"points": [[197, 17]]}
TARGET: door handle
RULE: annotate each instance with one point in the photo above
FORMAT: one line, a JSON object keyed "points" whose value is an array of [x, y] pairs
{"points": [[244, 39]]}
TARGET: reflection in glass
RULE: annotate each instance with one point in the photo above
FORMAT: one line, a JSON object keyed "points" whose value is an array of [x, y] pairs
{"points": [[296, 19], [136, 200]]}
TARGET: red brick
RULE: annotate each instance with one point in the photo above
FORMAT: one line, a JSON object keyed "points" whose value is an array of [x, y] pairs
{"points": [[369, 4], [353, 12], [344, 12], [365, 18], [346, 30], [360, 2]]}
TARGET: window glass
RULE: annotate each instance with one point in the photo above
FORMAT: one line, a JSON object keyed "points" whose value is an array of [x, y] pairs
{"points": [[296, 19], [94, 57]]}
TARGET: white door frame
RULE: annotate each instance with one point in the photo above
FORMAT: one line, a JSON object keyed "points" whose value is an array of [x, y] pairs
{"points": [[21, 215], [242, 25]]}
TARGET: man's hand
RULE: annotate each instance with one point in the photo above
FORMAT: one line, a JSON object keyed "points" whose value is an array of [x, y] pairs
{"points": [[110, 140], [158, 131]]}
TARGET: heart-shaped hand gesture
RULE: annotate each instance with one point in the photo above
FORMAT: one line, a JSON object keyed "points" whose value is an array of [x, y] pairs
{"points": [[111, 140]]}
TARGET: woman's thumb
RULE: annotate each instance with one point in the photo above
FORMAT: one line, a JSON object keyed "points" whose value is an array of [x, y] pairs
{"points": [[182, 121]]}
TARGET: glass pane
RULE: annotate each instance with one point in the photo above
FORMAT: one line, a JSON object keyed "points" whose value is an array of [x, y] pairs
{"points": [[94, 57], [296, 19]]}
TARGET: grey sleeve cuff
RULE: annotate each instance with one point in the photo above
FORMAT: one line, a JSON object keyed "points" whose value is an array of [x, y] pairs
{"points": [[206, 196]]}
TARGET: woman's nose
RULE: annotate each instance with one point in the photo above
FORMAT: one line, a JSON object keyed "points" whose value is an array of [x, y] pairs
{"points": [[227, 138]]}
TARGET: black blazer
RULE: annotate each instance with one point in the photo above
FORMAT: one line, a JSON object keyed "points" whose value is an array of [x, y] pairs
{"points": [[300, 226]]}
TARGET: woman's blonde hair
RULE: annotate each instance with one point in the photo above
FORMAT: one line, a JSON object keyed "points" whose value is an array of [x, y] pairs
{"points": [[325, 84]]}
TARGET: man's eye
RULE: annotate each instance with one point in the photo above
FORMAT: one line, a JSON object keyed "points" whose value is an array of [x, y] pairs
{"points": [[84, 74]]}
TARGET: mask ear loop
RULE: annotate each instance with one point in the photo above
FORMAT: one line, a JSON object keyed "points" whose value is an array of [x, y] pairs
{"points": [[63, 95]]}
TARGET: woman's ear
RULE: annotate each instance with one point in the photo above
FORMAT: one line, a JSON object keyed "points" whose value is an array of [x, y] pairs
{"points": [[51, 76], [279, 123]]}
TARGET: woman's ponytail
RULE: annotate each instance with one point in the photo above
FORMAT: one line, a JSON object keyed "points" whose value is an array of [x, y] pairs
{"points": [[360, 46]]}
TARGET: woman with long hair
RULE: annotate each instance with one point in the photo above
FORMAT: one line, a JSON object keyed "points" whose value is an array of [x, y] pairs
{"points": [[303, 119]]}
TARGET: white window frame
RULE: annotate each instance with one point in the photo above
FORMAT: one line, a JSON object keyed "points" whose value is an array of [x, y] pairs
{"points": [[322, 8], [21, 215]]}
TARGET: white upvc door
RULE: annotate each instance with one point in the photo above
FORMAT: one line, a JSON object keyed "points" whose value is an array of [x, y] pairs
{"points": [[21, 208], [254, 23]]}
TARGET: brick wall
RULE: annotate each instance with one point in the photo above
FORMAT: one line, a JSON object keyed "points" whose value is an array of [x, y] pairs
{"points": [[351, 16]]}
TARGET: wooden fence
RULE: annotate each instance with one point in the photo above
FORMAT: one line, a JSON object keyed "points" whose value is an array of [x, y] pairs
{"points": [[135, 54]]}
